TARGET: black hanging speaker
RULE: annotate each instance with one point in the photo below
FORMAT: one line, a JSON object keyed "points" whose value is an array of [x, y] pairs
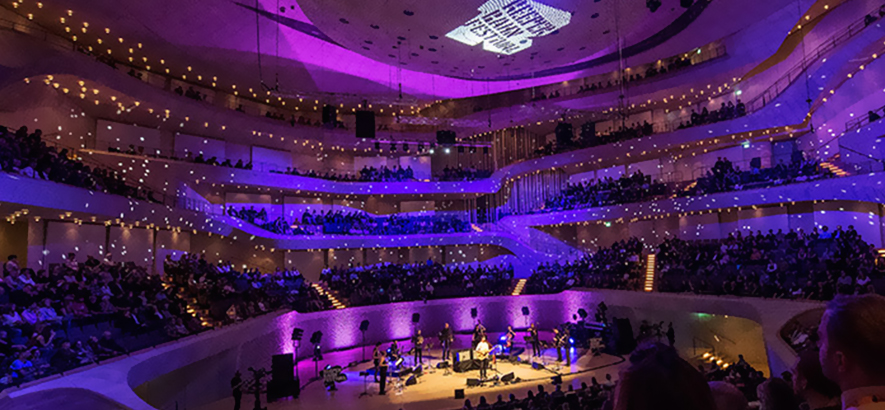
{"points": [[364, 325], [416, 317], [564, 134], [316, 337], [525, 310], [365, 124], [330, 114], [445, 137], [473, 313]]}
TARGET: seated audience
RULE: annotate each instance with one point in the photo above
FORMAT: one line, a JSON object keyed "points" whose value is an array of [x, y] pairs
{"points": [[385, 283], [28, 155], [608, 191], [792, 265]]}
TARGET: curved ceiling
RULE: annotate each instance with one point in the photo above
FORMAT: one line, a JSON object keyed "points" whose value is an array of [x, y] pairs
{"points": [[521, 36]]}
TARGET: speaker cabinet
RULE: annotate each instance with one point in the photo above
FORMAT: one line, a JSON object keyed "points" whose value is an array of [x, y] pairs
{"points": [[330, 114], [365, 125], [459, 393], [444, 137]]}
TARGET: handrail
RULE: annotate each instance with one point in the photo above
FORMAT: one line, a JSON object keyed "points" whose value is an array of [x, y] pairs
{"points": [[781, 84], [864, 119]]}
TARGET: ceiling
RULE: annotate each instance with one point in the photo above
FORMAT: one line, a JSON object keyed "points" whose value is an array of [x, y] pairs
{"points": [[412, 33], [344, 47]]}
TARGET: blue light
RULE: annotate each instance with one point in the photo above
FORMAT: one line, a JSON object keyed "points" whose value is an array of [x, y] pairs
{"points": [[571, 341], [503, 338]]}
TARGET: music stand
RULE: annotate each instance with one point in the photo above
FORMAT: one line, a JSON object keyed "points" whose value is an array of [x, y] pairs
{"points": [[365, 392]]}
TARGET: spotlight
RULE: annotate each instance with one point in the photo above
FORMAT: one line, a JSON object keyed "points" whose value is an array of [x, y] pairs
{"points": [[447, 150], [297, 334]]}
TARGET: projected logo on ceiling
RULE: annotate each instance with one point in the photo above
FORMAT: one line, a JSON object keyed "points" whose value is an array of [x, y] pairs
{"points": [[508, 26]]}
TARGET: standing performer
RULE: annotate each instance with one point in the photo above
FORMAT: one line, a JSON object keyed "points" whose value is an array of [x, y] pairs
{"points": [[479, 331], [236, 384], [377, 355], [482, 355], [536, 341], [511, 335], [445, 340], [418, 346], [558, 344], [382, 388]]}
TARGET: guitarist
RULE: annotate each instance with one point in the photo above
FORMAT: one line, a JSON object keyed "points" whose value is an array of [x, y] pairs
{"points": [[482, 356], [558, 343], [418, 346], [536, 341], [445, 339]]}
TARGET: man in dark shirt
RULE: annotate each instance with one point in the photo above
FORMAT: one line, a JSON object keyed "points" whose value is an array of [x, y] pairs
{"points": [[236, 384]]}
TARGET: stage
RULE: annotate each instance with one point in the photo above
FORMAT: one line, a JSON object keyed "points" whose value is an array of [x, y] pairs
{"points": [[435, 388]]}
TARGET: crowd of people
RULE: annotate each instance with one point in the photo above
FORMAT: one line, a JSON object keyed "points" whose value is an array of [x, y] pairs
{"points": [[75, 313], [367, 174], [628, 188], [727, 111], [351, 223], [463, 174], [614, 267], [815, 265], [26, 154], [230, 295], [259, 218], [724, 176], [387, 283], [359, 223]]}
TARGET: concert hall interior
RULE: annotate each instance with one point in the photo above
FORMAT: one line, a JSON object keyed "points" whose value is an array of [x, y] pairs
{"points": [[442, 205]]}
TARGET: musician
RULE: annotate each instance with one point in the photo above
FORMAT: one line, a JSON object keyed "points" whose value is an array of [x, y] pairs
{"points": [[236, 384], [536, 341], [377, 355], [418, 346], [393, 351], [558, 343], [382, 388], [445, 340], [481, 354], [479, 331], [511, 335]]}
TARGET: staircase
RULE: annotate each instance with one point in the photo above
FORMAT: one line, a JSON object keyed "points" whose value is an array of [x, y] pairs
{"points": [[650, 272], [832, 167], [520, 285], [323, 292], [191, 306]]}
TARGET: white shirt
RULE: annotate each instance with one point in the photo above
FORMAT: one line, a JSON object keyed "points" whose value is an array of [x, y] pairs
{"points": [[483, 348]]}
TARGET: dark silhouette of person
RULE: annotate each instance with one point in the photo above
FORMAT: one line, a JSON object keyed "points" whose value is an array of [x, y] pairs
{"points": [[236, 384]]}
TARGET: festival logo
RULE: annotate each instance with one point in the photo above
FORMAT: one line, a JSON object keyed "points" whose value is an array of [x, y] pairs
{"points": [[508, 26]]}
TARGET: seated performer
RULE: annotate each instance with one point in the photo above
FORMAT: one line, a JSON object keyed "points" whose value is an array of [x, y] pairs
{"points": [[510, 336], [481, 354], [393, 351]]}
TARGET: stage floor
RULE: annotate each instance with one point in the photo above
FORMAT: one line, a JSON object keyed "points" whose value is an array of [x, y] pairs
{"points": [[435, 389]]}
